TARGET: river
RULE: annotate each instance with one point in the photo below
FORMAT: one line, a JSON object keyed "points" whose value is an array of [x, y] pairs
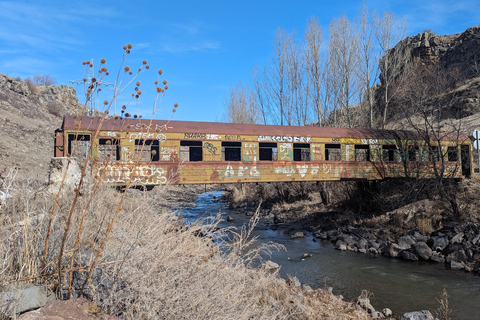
{"points": [[397, 284]]}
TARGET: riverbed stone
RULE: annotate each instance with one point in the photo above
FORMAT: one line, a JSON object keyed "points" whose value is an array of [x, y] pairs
{"points": [[422, 250], [458, 238], [393, 250], [417, 315], [365, 304], [362, 244], [455, 265], [437, 257], [270, 266], [298, 234], [387, 312], [458, 255], [420, 237], [438, 243], [230, 219], [406, 242], [340, 245], [407, 255]]}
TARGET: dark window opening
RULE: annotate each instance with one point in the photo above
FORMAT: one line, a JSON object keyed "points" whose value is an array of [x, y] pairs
{"points": [[413, 153], [80, 145], [332, 152], [231, 151], [191, 151], [268, 151], [390, 153], [150, 152], [301, 152], [362, 152], [452, 153], [108, 149]]}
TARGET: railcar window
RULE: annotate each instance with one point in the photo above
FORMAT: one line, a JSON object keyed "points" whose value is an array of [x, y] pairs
{"points": [[268, 151], [362, 152], [231, 151], [301, 152], [79, 145], [150, 151], [452, 153], [413, 153], [108, 149], [332, 152], [191, 151], [390, 153]]}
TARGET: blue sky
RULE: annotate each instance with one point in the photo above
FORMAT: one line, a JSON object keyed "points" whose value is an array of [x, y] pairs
{"points": [[203, 47]]}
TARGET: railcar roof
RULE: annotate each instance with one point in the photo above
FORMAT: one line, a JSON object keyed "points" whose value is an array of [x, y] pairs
{"points": [[171, 126]]}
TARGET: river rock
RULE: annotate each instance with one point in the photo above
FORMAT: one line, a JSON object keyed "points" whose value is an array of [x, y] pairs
{"points": [[365, 304], [437, 257], [417, 315], [455, 265], [230, 219], [339, 245], [387, 312], [420, 237], [405, 242], [458, 255], [422, 250], [438, 242], [270, 266], [297, 235], [362, 244], [458, 238], [407, 255], [393, 250]]}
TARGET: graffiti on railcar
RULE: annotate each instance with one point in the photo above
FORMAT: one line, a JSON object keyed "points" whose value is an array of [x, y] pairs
{"points": [[250, 152], [167, 154], [145, 174], [284, 139], [210, 148], [231, 172], [145, 136], [286, 151]]}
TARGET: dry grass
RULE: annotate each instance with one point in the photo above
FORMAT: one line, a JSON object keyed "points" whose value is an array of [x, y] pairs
{"points": [[152, 266]]}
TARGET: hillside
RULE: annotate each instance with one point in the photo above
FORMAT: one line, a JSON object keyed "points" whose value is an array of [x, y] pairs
{"points": [[29, 115], [458, 58]]}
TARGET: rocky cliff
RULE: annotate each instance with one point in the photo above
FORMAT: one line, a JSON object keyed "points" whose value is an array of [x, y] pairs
{"points": [[29, 115], [457, 54]]}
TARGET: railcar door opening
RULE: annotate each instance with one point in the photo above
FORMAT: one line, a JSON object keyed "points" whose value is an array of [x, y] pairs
{"points": [[465, 158]]}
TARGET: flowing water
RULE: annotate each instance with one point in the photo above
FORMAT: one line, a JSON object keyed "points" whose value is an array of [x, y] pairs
{"points": [[397, 284]]}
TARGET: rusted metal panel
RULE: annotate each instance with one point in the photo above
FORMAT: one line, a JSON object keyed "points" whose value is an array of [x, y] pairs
{"points": [[59, 147]]}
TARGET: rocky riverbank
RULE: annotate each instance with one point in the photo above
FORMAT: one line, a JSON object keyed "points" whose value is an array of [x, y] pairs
{"points": [[418, 231]]}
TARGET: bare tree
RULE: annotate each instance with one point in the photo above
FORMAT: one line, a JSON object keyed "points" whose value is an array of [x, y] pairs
{"points": [[343, 59], [314, 63], [388, 32], [240, 105], [368, 58], [425, 100]]}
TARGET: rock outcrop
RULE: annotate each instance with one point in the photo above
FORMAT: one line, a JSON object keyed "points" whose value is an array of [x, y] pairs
{"points": [[29, 115]]}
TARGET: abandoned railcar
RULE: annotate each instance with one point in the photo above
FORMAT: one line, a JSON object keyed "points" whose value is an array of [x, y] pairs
{"points": [[150, 152]]}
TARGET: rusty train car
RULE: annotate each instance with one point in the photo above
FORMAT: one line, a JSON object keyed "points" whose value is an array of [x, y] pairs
{"points": [[152, 152]]}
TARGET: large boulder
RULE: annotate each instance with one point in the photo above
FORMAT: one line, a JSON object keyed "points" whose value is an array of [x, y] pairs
{"points": [[422, 250], [20, 297], [393, 250], [438, 243]]}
